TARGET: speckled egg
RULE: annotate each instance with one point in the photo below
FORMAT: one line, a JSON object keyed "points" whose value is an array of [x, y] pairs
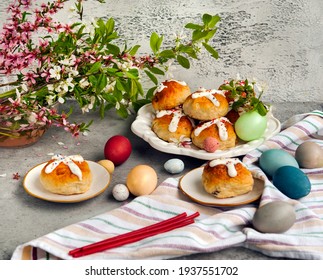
{"points": [[174, 166], [292, 182], [120, 192], [274, 217], [273, 159]]}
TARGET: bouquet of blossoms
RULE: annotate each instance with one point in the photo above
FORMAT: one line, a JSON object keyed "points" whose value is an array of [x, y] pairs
{"points": [[45, 62]]}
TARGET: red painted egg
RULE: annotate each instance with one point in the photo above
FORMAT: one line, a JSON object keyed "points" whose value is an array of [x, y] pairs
{"points": [[117, 149]]}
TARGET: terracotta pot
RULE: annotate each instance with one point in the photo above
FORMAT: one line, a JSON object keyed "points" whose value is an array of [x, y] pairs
{"points": [[22, 139]]}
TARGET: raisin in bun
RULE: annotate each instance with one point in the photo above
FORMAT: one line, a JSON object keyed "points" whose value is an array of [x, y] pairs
{"points": [[66, 175], [170, 125], [226, 178], [220, 129], [170, 94], [206, 105]]}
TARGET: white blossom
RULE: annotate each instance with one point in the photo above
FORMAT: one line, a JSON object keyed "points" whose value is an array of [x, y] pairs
{"points": [[84, 83], [55, 72], [32, 118], [61, 100]]}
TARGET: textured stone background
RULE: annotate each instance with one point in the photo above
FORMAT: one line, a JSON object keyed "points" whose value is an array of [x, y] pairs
{"points": [[279, 42]]}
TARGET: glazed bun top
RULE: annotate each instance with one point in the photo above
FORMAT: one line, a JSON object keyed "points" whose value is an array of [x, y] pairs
{"points": [[72, 162], [206, 104], [66, 175], [229, 166], [170, 94]]}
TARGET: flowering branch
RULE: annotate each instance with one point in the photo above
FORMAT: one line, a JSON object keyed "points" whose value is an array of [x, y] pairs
{"points": [[82, 62]]}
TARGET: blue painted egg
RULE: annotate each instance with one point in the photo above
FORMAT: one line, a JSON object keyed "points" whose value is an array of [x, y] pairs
{"points": [[273, 159], [174, 166], [292, 182]]}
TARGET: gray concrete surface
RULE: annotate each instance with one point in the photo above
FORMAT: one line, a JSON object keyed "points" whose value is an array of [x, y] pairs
{"points": [[279, 42]]}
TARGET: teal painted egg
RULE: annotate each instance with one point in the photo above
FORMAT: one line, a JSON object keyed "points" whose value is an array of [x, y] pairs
{"points": [[273, 159], [292, 182], [274, 217]]}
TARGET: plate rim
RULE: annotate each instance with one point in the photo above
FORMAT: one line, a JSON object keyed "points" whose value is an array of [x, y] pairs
{"points": [[154, 141], [75, 200], [217, 204]]}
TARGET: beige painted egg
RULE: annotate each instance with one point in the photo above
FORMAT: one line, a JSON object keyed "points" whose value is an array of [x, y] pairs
{"points": [[107, 164], [142, 180], [309, 155], [274, 217]]}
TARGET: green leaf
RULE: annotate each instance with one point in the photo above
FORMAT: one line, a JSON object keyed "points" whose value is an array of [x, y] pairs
{"points": [[113, 49], [139, 87], [157, 71], [95, 67], [206, 18], [188, 50], [132, 74], [139, 103], [150, 93], [102, 110], [167, 54], [154, 38], [133, 89], [194, 26], [134, 49], [211, 50], [210, 34], [109, 106], [225, 87], [152, 77], [262, 110], [198, 35], [155, 42], [102, 82], [93, 80], [122, 111], [109, 25], [119, 87], [215, 19], [183, 61]]}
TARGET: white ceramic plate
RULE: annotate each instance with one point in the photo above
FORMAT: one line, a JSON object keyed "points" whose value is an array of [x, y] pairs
{"points": [[142, 128], [101, 180], [191, 185]]}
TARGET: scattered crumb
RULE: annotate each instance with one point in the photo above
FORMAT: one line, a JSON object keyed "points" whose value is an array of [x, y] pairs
{"points": [[3, 175]]}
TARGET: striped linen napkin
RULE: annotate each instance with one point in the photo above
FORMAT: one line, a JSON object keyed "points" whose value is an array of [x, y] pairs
{"points": [[214, 230], [305, 239]]}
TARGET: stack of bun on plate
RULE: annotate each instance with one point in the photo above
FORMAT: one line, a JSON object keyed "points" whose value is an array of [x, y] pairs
{"points": [[199, 116]]}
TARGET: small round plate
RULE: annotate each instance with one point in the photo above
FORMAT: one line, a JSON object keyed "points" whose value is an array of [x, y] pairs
{"points": [[142, 128], [101, 180], [191, 185]]}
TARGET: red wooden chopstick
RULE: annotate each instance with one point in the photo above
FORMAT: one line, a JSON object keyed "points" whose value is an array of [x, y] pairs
{"points": [[136, 235]]}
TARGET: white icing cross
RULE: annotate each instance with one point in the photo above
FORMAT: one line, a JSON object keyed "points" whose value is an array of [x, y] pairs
{"points": [[223, 133], [230, 164], [69, 161]]}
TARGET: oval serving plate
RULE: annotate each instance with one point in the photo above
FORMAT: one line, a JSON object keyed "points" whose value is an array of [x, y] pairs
{"points": [[100, 181], [142, 128], [191, 185]]}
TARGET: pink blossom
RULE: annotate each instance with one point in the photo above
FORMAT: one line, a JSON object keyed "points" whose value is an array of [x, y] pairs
{"points": [[45, 75], [30, 77]]}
